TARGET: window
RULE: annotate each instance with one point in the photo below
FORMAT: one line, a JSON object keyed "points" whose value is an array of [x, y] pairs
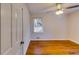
{"points": [[38, 24]]}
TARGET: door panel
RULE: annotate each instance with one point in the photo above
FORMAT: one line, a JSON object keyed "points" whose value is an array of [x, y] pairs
{"points": [[11, 29], [17, 27], [5, 28]]}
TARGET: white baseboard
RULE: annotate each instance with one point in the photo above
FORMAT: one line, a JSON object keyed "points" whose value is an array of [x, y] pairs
{"points": [[26, 47], [75, 41], [47, 39]]}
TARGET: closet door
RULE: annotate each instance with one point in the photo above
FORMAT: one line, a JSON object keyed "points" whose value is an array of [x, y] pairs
{"points": [[11, 29], [17, 28], [6, 34]]}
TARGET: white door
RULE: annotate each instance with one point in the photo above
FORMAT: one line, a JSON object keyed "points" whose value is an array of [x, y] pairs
{"points": [[11, 29], [6, 39], [17, 27]]}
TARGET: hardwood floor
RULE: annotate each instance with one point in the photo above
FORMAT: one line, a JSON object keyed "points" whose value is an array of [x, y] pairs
{"points": [[53, 47]]}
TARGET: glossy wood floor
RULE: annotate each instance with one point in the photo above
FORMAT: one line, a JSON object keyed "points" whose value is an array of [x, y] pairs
{"points": [[53, 47]]}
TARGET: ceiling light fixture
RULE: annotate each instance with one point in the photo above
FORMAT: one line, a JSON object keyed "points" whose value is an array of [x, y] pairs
{"points": [[59, 9]]}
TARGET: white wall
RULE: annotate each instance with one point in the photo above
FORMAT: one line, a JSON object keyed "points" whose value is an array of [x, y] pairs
{"points": [[73, 26], [55, 26]]}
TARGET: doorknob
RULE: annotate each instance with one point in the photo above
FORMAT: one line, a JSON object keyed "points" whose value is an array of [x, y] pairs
{"points": [[22, 42]]}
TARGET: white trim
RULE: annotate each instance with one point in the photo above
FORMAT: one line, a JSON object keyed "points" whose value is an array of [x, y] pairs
{"points": [[49, 39], [26, 47], [75, 41]]}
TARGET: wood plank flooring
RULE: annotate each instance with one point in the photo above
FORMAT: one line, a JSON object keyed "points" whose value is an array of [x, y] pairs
{"points": [[53, 47]]}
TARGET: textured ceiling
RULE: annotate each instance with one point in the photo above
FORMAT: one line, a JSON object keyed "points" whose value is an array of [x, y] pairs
{"points": [[45, 7]]}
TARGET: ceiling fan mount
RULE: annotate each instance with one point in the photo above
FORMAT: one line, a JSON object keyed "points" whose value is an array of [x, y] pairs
{"points": [[59, 8]]}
